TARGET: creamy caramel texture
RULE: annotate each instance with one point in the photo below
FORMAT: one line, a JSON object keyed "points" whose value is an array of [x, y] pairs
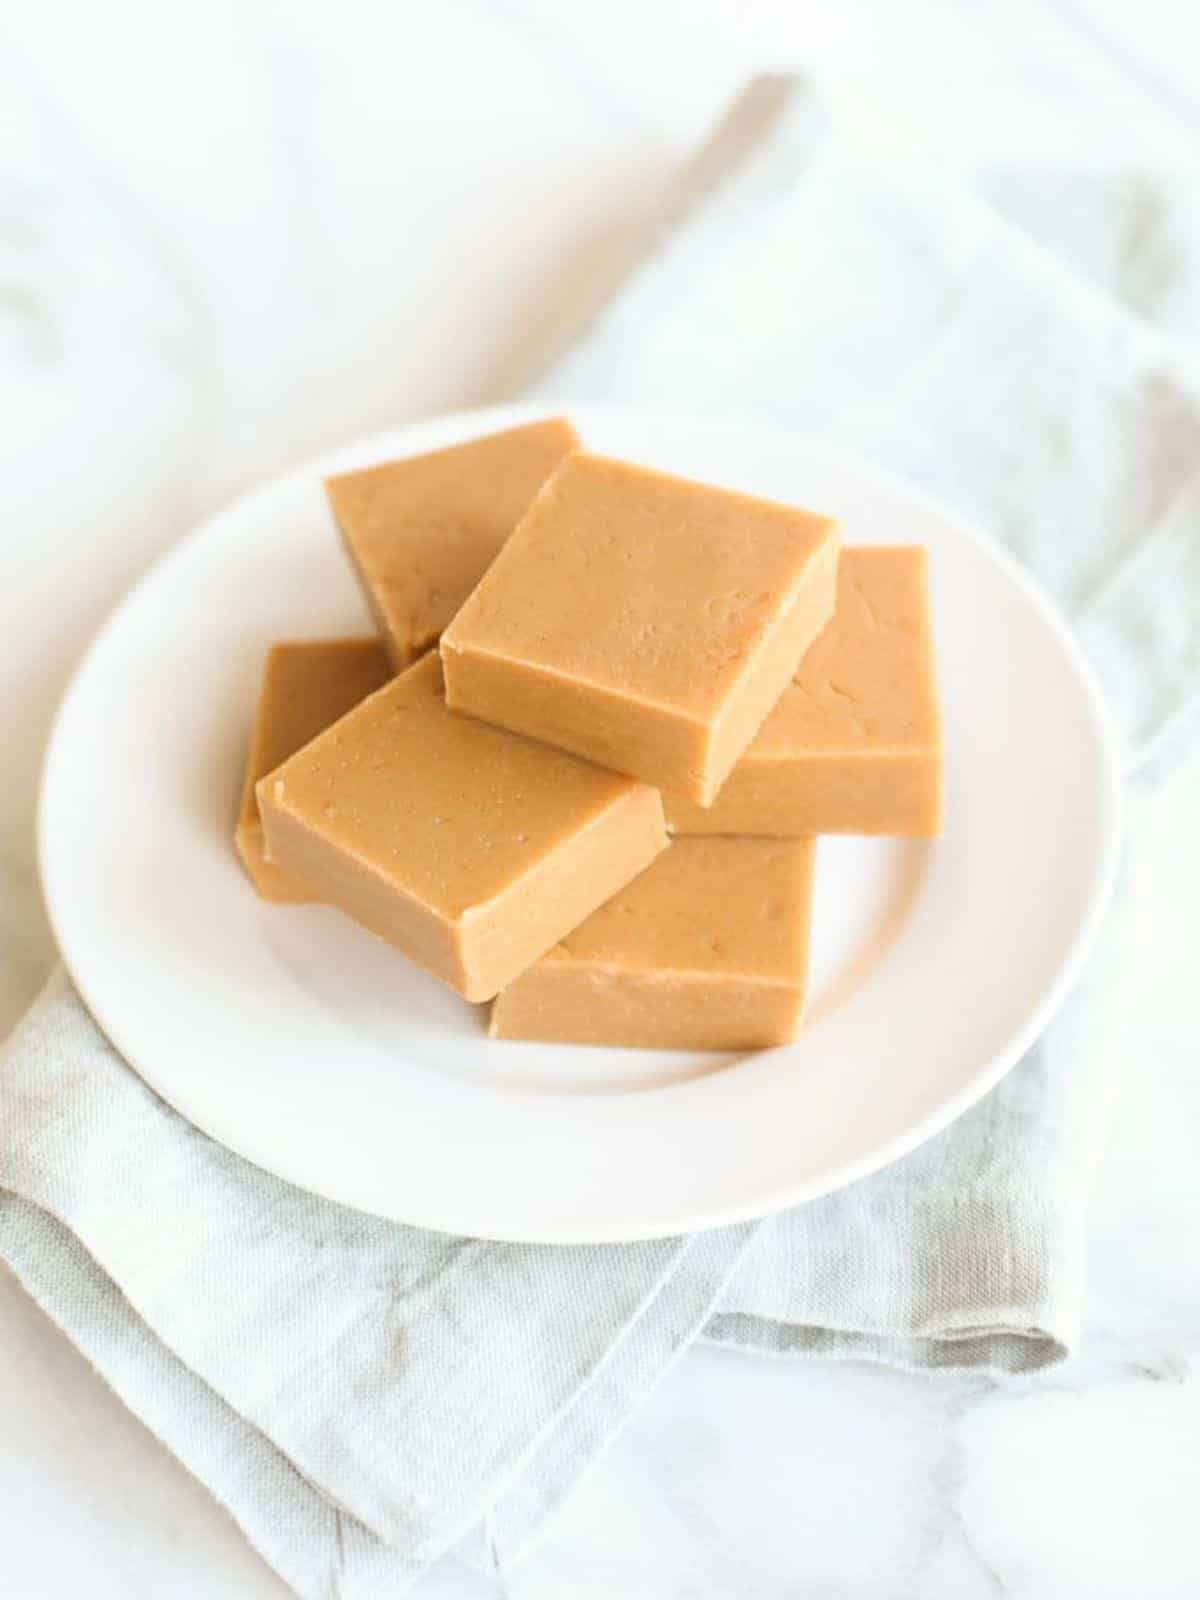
{"points": [[706, 950], [642, 620], [855, 743], [471, 849], [423, 531], [307, 684]]}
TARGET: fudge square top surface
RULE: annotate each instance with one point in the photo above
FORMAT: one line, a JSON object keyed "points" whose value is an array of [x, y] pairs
{"points": [[713, 906], [643, 620], [471, 849], [421, 532], [453, 808]]}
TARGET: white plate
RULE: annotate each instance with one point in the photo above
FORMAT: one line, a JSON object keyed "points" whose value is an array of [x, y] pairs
{"points": [[316, 1051]]}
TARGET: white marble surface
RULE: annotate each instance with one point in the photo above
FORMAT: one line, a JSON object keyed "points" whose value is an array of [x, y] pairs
{"points": [[233, 233]]}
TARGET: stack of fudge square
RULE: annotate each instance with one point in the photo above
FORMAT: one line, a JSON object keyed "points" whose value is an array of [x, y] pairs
{"points": [[581, 771]]}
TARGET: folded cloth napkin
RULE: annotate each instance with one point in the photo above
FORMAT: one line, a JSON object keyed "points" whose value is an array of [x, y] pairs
{"points": [[361, 1395]]}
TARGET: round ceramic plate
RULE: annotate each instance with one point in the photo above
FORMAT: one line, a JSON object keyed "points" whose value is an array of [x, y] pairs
{"points": [[319, 1053]]}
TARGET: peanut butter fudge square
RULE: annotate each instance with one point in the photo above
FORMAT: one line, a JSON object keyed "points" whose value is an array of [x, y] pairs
{"points": [[643, 620], [471, 849]]}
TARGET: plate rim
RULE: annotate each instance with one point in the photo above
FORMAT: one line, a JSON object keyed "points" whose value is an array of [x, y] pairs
{"points": [[490, 418]]}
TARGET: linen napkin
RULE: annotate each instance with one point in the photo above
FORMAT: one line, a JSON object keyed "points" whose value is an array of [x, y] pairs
{"points": [[361, 1395]]}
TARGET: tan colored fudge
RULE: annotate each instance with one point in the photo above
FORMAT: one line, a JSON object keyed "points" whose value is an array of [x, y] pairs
{"points": [[642, 620], [422, 532], [855, 743], [307, 684], [471, 849], [706, 950]]}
